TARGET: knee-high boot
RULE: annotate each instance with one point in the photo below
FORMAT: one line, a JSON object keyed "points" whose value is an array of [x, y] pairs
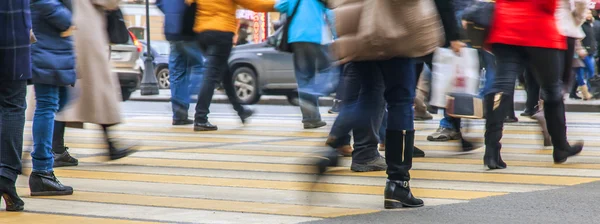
{"points": [[398, 156], [557, 128], [496, 105]]}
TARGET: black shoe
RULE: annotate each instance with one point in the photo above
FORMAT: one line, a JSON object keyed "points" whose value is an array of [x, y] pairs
{"points": [[511, 119], [119, 153], [398, 195], [330, 158], [46, 184], [496, 105], [245, 115], [432, 109], [574, 96], [417, 152], [205, 126], [65, 159], [560, 156], [527, 113], [335, 108], [8, 191], [377, 164], [314, 124], [183, 122]]}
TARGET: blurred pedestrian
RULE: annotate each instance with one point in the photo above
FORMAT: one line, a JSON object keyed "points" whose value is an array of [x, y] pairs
{"points": [[185, 59], [517, 45], [215, 25], [583, 74], [15, 70]]}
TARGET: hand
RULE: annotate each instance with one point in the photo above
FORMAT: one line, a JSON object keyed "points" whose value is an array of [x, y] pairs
{"points": [[456, 46], [582, 53]]}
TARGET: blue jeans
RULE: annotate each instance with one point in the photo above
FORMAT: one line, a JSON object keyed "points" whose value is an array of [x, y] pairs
{"points": [[49, 100], [185, 63], [12, 124], [585, 73]]}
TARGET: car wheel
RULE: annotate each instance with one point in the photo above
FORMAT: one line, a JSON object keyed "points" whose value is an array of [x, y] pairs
{"points": [[163, 78], [293, 99], [245, 83]]}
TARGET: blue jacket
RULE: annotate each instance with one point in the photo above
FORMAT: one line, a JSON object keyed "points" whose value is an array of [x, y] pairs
{"points": [[174, 14], [15, 26], [307, 23], [52, 55]]}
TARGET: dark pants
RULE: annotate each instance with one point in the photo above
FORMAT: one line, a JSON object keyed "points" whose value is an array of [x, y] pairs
{"points": [[309, 58], [216, 48], [12, 124], [358, 94], [533, 91]]}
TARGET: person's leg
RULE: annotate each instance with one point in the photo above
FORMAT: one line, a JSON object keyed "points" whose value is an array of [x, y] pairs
{"points": [[580, 79], [178, 78], [339, 136], [545, 63], [61, 155], [421, 112], [338, 95], [12, 125], [446, 130], [305, 68], [533, 94], [589, 68]]}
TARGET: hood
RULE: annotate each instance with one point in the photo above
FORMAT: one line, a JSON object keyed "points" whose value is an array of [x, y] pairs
{"points": [[250, 46]]}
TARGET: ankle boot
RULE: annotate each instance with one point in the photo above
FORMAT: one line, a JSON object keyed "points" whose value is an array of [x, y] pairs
{"points": [[496, 106], [398, 195], [46, 184], [119, 153], [585, 92], [9, 193], [555, 114]]}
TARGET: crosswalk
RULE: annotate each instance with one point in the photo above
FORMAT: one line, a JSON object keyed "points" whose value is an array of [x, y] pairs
{"points": [[261, 173]]}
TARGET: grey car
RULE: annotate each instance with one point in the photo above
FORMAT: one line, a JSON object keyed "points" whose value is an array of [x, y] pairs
{"points": [[124, 58]]}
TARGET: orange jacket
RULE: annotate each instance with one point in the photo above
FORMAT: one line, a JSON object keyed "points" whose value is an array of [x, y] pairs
{"points": [[219, 15]]}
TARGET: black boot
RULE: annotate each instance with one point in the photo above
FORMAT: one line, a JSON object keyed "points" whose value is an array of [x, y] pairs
{"points": [[398, 195], [398, 154], [114, 152], [496, 106], [9, 193], [46, 184], [557, 128], [245, 114], [417, 152]]}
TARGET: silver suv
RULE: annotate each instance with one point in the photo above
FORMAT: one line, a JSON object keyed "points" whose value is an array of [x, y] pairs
{"points": [[125, 61]]}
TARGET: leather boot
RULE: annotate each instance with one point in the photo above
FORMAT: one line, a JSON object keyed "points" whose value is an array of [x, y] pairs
{"points": [[398, 156], [496, 105], [585, 92], [398, 195], [557, 128], [9, 193], [46, 184]]}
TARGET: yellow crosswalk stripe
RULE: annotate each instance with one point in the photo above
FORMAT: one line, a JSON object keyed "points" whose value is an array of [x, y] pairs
{"points": [[25, 217]]}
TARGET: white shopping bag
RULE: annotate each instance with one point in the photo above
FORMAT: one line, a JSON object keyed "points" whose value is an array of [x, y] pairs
{"points": [[453, 73]]}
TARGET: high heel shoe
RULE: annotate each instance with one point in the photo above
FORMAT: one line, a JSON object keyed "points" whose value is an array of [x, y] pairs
{"points": [[9, 193]]}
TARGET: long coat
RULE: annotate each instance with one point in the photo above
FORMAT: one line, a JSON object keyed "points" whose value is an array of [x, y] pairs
{"points": [[97, 93], [15, 59]]}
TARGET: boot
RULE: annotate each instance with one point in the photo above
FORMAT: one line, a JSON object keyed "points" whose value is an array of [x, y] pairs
{"points": [[541, 119], [555, 113], [496, 106], [9, 193], [399, 159], [119, 153], [418, 153], [398, 195], [585, 92], [46, 184]]}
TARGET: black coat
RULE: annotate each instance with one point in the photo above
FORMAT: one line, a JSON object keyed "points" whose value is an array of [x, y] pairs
{"points": [[449, 21], [589, 42]]}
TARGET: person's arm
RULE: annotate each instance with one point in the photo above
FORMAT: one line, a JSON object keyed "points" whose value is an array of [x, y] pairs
{"points": [[53, 12], [452, 33], [257, 5]]}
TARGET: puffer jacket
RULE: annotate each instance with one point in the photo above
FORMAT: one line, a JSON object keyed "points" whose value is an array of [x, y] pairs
{"points": [[219, 15], [53, 56], [570, 15]]}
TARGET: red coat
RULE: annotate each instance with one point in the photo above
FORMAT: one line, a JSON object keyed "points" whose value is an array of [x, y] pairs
{"points": [[528, 23]]}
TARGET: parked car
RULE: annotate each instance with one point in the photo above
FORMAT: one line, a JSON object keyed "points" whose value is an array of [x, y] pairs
{"points": [[258, 69], [160, 52], [124, 59]]}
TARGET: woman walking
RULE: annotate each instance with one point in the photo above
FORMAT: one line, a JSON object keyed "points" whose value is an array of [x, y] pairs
{"points": [[518, 45]]}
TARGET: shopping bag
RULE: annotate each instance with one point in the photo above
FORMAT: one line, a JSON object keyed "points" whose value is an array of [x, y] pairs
{"points": [[454, 74]]}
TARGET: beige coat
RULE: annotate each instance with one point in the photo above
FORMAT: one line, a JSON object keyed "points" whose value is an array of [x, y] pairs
{"points": [[97, 94], [570, 15]]}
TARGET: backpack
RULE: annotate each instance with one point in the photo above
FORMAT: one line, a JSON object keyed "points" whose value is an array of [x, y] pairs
{"points": [[116, 28]]}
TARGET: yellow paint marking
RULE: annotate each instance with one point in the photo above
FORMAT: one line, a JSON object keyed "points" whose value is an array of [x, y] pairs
{"points": [[270, 184], [190, 131], [138, 136], [541, 151], [24, 217], [593, 166], [418, 174], [98, 146], [246, 152], [424, 139]]}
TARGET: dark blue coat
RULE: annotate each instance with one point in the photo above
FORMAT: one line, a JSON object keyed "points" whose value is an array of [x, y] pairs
{"points": [[53, 56], [15, 26], [174, 11]]}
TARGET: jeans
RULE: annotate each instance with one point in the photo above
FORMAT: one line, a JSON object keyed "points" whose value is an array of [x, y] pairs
{"points": [[308, 59], [185, 62], [12, 125], [585, 73], [49, 100], [359, 94], [216, 48]]}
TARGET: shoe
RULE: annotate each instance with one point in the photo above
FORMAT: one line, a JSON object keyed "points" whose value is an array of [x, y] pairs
{"points": [[336, 107], [377, 164], [527, 113], [398, 195], [425, 116], [246, 114], [65, 159], [9, 193], [444, 134], [345, 150], [574, 96], [496, 104], [205, 126], [432, 109], [510, 119], [381, 147], [417, 152], [118, 153], [467, 146], [46, 184], [330, 158], [585, 93], [314, 124], [560, 156], [183, 122]]}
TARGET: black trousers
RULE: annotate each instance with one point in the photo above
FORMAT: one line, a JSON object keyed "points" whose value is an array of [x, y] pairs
{"points": [[12, 125]]}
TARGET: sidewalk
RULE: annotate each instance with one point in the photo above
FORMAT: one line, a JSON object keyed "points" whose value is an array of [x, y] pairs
{"points": [[219, 97]]}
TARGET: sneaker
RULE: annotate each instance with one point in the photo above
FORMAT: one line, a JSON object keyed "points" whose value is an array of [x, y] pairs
{"points": [[377, 164], [315, 124], [65, 159], [444, 134]]}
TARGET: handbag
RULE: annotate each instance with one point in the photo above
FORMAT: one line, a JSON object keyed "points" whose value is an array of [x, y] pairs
{"points": [[479, 17], [284, 44], [116, 28]]}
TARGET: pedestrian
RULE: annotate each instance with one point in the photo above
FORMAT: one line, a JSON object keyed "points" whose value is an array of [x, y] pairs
{"points": [[97, 90], [517, 45], [215, 26], [308, 38], [15, 70], [583, 74], [185, 58]]}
